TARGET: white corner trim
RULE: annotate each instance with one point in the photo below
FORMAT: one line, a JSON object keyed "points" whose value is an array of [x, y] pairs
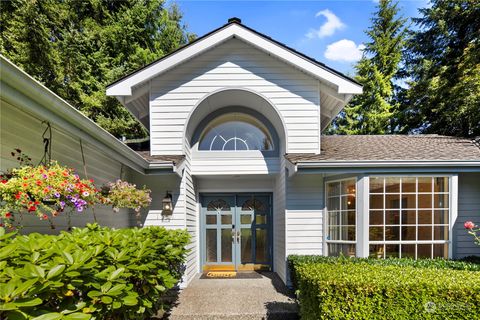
{"points": [[124, 86], [453, 211]]}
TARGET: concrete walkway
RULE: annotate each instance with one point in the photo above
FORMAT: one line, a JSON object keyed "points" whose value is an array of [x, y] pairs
{"points": [[264, 298]]}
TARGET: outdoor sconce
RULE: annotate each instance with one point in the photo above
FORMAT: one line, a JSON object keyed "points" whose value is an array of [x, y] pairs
{"points": [[167, 205]]}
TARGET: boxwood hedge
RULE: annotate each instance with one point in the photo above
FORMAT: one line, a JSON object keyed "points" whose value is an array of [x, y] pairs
{"points": [[89, 273], [344, 288]]}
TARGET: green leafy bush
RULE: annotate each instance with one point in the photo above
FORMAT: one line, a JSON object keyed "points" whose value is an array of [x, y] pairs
{"points": [[471, 263], [89, 273], [345, 288]]}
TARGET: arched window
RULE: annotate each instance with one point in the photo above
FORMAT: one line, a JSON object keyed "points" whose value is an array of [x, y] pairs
{"points": [[235, 132]]}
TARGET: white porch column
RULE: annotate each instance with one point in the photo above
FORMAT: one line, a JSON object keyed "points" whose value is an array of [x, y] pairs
{"points": [[362, 216]]}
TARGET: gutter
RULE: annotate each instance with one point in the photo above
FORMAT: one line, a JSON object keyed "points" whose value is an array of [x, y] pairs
{"points": [[388, 164], [42, 102]]}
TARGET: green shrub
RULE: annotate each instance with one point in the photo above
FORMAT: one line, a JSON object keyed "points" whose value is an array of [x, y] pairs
{"points": [[468, 263], [344, 288], [89, 273]]}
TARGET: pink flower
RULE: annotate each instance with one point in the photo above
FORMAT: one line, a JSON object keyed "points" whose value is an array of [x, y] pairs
{"points": [[469, 225]]}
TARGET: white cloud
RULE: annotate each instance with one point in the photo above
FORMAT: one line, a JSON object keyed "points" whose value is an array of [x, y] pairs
{"points": [[332, 24], [344, 50]]}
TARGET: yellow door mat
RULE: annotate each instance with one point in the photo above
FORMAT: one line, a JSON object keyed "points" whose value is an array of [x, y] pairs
{"points": [[230, 275]]}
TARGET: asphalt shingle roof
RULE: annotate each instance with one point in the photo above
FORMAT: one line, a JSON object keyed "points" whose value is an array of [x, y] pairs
{"points": [[392, 148]]}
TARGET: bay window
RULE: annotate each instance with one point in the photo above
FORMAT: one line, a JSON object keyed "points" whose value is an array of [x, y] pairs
{"points": [[395, 216]]}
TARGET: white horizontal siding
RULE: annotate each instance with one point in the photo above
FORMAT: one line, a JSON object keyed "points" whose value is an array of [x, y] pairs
{"points": [[19, 129], [468, 210], [238, 65], [159, 185], [304, 215]]}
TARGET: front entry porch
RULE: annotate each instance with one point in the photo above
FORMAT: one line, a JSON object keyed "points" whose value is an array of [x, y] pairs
{"points": [[237, 299], [236, 231]]}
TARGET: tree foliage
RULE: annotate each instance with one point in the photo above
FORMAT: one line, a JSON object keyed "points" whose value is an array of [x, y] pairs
{"points": [[443, 63], [77, 47], [373, 111]]}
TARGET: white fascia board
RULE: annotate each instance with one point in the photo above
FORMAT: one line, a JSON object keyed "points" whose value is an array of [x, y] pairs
{"points": [[386, 164], [41, 101], [124, 87]]}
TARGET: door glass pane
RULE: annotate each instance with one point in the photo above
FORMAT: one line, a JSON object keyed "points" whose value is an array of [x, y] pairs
{"points": [[226, 245], [261, 246], [227, 219], [246, 219], [211, 241], [211, 219], [260, 219], [246, 246]]}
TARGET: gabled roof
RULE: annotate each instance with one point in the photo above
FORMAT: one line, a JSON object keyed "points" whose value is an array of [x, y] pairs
{"points": [[235, 29], [392, 148]]}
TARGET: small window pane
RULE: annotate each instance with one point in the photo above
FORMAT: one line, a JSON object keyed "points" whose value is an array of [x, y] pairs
{"points": [[392, 251], [335, 249], [392, 217], [211, 219], [440, 217], [424, 251], [227, 219], [440, 200], [424, 216], [440, 184], [425, 200], [440, 233], [392, 233], [350, 218], [376, 185], [348, 203], [376, 201], [333, 204], [409, 217], [409, 201], [348, 187], [425, 184], [392, 201], [424, 233], [377, 251], [392, 185], [409, 233], [440, 251], [245, 218], [376, 217], [350, 236], [333, 189], [408, 251], [409, 185], [376, 234]]}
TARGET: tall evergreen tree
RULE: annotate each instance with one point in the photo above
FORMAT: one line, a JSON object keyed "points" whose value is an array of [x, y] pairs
{"points": [[374, 111], [443, 63], [77, 47]]}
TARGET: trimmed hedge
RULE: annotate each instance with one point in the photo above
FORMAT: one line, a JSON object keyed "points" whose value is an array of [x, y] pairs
{"points": [[471, 263], [89, 273], [345, 288]]}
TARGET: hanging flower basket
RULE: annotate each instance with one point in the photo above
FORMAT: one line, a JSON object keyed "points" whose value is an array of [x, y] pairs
{"points": [[44, 191]]}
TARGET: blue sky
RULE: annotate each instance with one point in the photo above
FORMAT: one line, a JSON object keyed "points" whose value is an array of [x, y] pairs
{"points": [[329, 31]]}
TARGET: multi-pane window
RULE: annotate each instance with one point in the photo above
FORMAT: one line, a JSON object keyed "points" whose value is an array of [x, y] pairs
{"points": [[409, 217], [341, 217]]}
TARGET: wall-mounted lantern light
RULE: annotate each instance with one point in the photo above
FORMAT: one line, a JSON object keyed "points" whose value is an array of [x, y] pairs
{"points": [[167, 205]]}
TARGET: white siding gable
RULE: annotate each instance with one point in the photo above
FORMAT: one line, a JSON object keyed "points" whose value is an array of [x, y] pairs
{"points": [[234, 64]]}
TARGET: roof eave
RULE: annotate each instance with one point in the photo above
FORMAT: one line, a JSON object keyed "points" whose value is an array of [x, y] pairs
{"points": [[123, 87]]}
